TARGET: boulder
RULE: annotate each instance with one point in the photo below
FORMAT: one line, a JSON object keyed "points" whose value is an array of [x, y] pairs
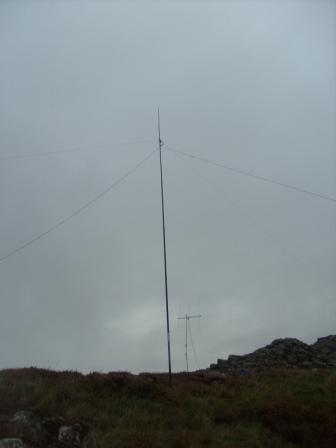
{"points": [[22, 426], [69, 436], [24, 430], [11, 443]]}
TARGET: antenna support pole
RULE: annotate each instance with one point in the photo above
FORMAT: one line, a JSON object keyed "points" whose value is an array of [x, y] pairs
{"points": [[187, 317], [164, 251], [186, 341]]}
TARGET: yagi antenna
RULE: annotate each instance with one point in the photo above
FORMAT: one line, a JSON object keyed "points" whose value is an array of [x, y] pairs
{"points": [[187, 318]]}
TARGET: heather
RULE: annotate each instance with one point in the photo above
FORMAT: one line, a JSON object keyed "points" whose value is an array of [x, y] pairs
{"points": [[275, 408]]}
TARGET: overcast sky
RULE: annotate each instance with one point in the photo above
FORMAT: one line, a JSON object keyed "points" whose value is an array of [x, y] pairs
{"points": [[250, 84]]}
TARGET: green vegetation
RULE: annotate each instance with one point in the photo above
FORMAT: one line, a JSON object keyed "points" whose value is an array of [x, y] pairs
{"points": [[272, 409]]}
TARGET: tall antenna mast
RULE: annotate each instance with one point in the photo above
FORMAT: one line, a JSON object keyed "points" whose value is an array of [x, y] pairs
{"points": [[164, 251], [187, 317]]}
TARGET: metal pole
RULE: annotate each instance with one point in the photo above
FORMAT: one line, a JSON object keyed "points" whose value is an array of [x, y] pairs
{"points": [[186, 344], [164, 252]]}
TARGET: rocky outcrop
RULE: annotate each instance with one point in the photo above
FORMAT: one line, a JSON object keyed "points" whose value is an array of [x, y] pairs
{"points": [[326, 346], [283, 353], [23, 430]]}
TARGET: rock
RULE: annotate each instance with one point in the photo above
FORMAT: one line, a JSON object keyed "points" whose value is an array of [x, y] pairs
{"points": [[22, 425], [234, 358], [21, 417], [24, 430], [69, 436], [11, 443], [52, 425], [307, 365], [283, 353], [326, 346]]}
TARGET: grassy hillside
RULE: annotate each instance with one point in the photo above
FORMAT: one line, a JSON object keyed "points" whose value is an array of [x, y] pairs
{"points": [[274, 409]]}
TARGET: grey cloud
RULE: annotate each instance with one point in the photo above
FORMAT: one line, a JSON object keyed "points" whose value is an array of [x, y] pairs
{"points": [[250, 84]]}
